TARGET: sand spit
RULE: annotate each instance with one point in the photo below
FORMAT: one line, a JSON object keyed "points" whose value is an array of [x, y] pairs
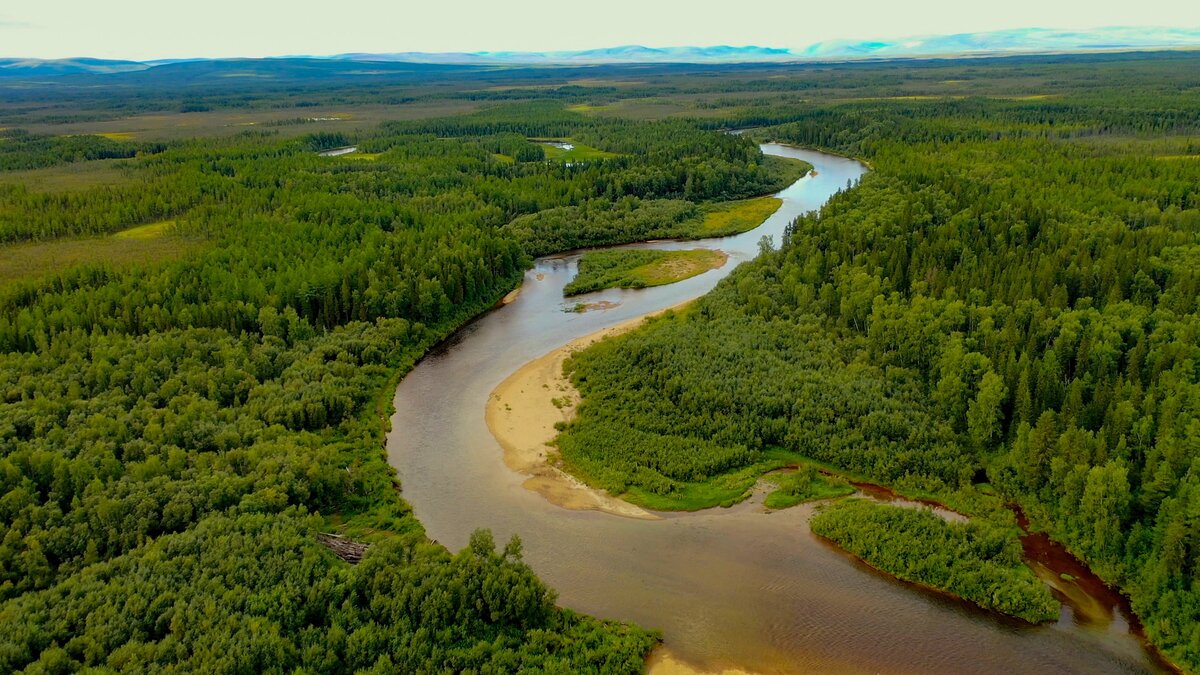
{"points": [[521, 414]]}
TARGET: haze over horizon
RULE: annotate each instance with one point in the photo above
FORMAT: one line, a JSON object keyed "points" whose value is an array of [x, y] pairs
{"points": [[225, 28]]}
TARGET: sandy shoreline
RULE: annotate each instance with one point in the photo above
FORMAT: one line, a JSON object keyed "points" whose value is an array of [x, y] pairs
{"points": [[522, 411], [662, 662], [511, 296]]}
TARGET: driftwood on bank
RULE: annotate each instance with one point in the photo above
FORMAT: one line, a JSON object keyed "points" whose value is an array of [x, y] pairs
{"points": [[347, 549]]}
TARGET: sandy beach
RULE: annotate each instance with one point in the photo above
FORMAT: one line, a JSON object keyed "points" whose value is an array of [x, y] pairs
{"points": [[521, 414], [662, 662]]}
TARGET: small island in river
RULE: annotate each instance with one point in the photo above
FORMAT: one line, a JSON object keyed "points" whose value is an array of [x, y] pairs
{"points": [[640, 268], [975, 560]]}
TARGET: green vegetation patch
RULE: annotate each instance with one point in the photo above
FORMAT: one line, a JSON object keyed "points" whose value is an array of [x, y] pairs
{"points": [[604, 223], [975, 561], [69, 177], [22, 150], [640, 268], [577, 153], [143, 245], [724, 491], [787, 170], [729, 218], [148, 231], [805, 484]]}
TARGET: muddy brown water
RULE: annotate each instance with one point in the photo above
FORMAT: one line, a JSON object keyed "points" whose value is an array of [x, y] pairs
{"points": [[727, 587]]}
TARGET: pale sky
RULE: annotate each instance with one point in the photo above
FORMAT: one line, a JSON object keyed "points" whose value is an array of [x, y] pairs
{"points": [[148, 29]]}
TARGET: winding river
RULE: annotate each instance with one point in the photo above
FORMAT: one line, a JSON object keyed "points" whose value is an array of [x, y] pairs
{"points": [[728, 587]]}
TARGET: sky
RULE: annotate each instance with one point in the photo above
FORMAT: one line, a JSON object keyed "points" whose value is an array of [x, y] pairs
{"points": [[150, 29]]}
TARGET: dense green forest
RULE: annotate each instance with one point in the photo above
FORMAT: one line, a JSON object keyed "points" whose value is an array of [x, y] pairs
{"points": [[1010, 295], [976, 561], [23, 150], [255, 592], [165, 428], [629, 217]]}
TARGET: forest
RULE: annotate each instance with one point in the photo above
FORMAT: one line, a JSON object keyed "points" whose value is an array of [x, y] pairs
{"points": [[167, 427], [1006, 304]]}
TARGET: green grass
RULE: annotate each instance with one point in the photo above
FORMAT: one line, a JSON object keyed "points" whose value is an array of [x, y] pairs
{"points": [[730, 488], [723, 219], [637, 109], [136, 246], [579, 153], [640, 268], [974, 501], [804, 485], [724, 490], [148, 231], [70, 177]]}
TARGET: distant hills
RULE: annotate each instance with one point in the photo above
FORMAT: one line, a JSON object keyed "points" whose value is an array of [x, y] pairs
{"points": [[1024, 40], [41, 67], [1021, 41], [623, 54]]}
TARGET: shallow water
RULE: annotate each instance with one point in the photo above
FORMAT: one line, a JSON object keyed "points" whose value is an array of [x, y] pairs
{"points": [[728, 587], [337, 152]]}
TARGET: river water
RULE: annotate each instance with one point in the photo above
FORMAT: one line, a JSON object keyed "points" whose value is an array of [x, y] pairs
{"points": [[728, 587]]}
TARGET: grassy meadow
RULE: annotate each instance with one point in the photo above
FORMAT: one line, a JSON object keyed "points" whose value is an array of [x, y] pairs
{"points": [[640, 268], [145, 244]]}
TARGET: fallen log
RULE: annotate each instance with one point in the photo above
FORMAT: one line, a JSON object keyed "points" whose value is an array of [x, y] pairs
{"points": [[347, 549]]}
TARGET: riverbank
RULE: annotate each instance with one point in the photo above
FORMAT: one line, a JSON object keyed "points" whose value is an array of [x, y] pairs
{"points": [[522, 414]]}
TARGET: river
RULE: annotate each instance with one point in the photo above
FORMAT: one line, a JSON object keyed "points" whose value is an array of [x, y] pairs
{"points": [[728, 587]]}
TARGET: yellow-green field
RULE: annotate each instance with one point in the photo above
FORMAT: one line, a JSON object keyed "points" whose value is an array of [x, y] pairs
{"points": [[726, 218], [67, 177], [637, 108], [578, 153], [640, 268], [139, 245], [678, 265], [148, 231], [177, 125]]}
